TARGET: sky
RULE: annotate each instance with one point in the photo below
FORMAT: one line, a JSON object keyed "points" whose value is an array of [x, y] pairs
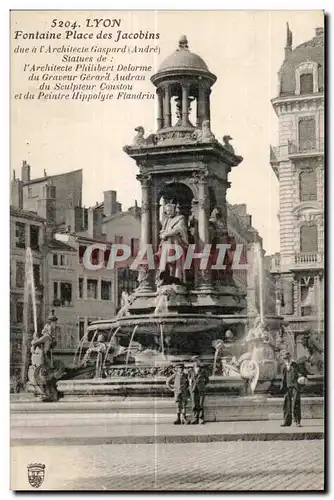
{"points": [[244, 49]]}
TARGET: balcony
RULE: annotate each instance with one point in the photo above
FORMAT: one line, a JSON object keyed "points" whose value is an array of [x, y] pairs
{"points": [[309, 260], [306, 148], [295, 149], [275, 262]]}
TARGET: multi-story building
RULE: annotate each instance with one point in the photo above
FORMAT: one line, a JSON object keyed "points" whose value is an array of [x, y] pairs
{"points": [[298, 162], [27, 229]]}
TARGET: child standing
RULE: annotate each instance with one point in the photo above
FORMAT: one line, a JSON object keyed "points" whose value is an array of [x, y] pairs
{"points": [[178, 383]]}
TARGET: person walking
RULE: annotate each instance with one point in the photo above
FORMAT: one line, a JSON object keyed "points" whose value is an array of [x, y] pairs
{"points": [[198, 380]]}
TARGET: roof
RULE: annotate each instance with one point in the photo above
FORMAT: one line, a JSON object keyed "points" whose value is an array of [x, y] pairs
{"points": [[312, 50], [183, 58], [59, 245], [25, 214], [46, 177]]}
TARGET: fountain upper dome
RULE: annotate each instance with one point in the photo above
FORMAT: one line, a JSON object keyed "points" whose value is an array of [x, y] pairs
{"points": [[183, 58]]}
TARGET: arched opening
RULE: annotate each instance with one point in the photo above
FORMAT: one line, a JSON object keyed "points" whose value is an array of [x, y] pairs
{"points": [[178, 194]]}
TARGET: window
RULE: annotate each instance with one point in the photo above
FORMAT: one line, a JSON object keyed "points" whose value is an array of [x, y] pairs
{"points": [[81, 284], [306, 134], [19, 312], [20, 234], [66, 294], [134, 246], [82, 250], [55, 290], [37, 274], [63, 260], [308, 185], [20, 274], [309, 239], [307, 296], [91, 289], [55, 259], [105, 290], [29, 192], [34, 237], [127, 282], [306, 83], [62, 293], [119, 240], [81, 328]]}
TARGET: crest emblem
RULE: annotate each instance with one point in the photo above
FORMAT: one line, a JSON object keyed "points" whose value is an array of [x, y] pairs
{"points": [[36, 473]]}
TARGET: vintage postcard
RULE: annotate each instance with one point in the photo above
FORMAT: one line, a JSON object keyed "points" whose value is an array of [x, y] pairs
{"points": [[167, 250]]}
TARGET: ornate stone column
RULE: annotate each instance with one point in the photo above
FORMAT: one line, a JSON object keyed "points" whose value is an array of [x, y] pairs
{"points": [[160, 120], [167, 107], [204, 276], [207, 114], [185, 104], [145, 233], [200, 106]]}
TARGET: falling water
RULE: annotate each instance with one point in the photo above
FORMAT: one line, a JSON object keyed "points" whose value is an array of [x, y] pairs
{"points": [[30, 284], [29, 290], [78, 351], [109, 346], [162, 340], [161, 304], [291, 346], [129, 346], [259, 270], [215, 362], [124, 310]]}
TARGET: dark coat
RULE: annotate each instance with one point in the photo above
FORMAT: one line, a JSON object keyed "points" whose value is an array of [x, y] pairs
{"points": [[178, 382], [199, 380], [290, 377]]}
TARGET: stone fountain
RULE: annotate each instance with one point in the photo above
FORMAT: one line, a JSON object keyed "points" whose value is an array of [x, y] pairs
{"points": [[179, 309]]}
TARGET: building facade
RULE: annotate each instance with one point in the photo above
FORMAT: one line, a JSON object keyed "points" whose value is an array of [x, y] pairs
{"points": [[27, 230], [298, 162]]}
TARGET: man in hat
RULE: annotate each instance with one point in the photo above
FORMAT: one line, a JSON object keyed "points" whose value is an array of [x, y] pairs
{"points": [[198, 379], [291, 389], [227, 145], [178, 383]]}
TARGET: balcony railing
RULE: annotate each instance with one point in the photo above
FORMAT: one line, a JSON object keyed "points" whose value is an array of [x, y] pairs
{"points": [[304, 148], [301, 147], [309, 258]]}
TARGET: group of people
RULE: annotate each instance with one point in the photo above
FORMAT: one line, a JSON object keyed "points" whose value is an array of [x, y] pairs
{"points": [[191, 383]]}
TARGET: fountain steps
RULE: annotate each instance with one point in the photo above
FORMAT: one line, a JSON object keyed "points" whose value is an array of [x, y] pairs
{"points": [[141, 410]]}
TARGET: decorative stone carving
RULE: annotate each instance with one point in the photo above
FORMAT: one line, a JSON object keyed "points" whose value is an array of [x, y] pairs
{"points": [[44, 372], [314, 363], [227, 145]]}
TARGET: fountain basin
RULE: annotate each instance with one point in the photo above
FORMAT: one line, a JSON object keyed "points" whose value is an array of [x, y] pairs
{"points": [[150, 324]]}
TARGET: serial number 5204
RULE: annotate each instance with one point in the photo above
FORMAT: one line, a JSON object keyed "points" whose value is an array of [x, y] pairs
{"points": [[56, 23]]}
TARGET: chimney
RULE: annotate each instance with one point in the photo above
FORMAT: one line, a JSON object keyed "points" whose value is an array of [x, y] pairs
{"points": [[319, 31], [288, 46], [90, 228], [25, 172], [110, 203], [16, 198]]}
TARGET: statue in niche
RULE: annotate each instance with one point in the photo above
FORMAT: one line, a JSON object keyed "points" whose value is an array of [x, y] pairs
{"points": [[174, 232], [220, 236]]}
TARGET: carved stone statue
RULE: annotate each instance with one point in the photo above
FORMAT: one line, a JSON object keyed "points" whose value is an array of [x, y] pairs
{"points": [[139, 139], [314, 363], [43, 371], [227, 145], [174, 232], [98, 348]]}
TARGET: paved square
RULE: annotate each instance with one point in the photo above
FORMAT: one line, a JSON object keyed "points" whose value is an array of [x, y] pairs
{"points": [[274, 465]]}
